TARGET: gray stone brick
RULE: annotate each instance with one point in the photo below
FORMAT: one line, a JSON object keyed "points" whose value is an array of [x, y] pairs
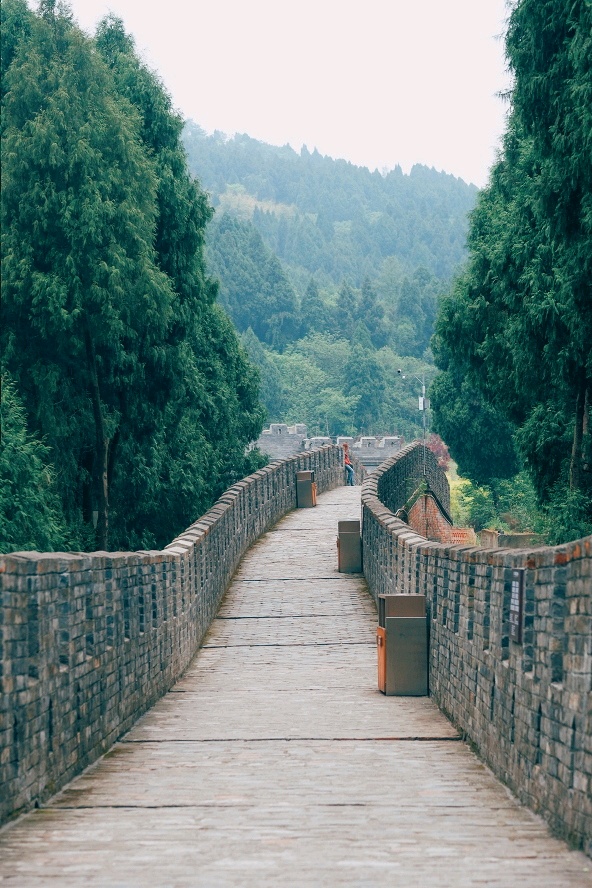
{"points": [[555, 659], [100, 681]]}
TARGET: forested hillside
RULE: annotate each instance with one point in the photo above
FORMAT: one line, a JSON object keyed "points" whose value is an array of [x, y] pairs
{"points": [[514, 338], [330, 219], [332, 273], [127, 400]]}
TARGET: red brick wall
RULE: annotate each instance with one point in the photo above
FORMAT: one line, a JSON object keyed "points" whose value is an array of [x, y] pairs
{"points": [[463, 536]]}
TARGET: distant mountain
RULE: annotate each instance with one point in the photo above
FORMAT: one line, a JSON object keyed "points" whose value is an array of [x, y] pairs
{"points": [[329, 219]]}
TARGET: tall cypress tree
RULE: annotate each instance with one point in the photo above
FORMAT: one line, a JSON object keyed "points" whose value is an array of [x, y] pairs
{"points": [[127, 367], [209, 392], [83, 300], [519, 322]]}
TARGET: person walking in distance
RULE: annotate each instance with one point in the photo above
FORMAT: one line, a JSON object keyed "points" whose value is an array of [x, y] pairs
{"points": [[349, 469]]}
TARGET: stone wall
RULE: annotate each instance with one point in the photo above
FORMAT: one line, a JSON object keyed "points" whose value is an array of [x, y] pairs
{"points": [[88, 642], [493, 539], [372, 451], [280, 441], [399, 477], [526, 707]]}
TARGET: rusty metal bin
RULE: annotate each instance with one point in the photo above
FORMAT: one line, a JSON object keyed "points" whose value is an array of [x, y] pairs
{"points": [[306, 490], [349, 547], [402, 645]]}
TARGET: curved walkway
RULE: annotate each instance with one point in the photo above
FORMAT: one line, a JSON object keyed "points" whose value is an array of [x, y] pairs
{"points": [[276, 762]]}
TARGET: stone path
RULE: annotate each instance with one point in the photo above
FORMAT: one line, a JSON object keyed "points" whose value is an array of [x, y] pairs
{"points": [[276, 762]]}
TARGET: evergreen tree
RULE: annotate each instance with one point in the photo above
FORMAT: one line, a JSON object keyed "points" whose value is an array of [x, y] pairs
{"points": [[479, 436], [83, 301], [210, 407], [272, 387], [364, 381], [30, 509], [254, 290], [371, 313], [127, 368], [317, 316], [518, 324], [346, 310]]}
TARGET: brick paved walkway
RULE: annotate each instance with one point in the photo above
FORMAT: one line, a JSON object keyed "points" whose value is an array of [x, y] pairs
{"points": [[276, 762]]}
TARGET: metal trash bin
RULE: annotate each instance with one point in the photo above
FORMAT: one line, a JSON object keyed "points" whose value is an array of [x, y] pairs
{"points": [[349, 547], [306, 490], [402, 645]]}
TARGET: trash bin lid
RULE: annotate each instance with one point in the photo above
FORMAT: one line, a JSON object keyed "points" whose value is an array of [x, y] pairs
{"points": [[348, 526], [403, 605]]}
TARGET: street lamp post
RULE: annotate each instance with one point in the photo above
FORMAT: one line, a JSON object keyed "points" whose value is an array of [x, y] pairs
{"points": [[423, 406]]}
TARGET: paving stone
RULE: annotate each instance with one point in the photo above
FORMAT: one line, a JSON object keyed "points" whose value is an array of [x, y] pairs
{"points": [[276, 761]]}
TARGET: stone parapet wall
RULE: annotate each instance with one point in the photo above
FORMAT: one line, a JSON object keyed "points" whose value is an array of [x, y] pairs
{"points": [[399, 477], [526, 707], [88, 642]]}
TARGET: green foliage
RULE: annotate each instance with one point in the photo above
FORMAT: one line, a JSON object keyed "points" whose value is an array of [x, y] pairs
{"points": [[517, 505], [518, 325], [371, 313], [346, 311], [254, 289], [128, 369], [567, 515], [82, 296], [337, 328], [482, 512], [367, 255], [459, 501], [16, 20], [364, 381], [512, 506], [337, 386], [271, 390], [317, 314], [30, 512], [475, 506], [480, 438]]}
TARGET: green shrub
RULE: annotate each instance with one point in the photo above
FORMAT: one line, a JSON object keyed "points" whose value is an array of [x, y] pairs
{"points": [[30, 512]]}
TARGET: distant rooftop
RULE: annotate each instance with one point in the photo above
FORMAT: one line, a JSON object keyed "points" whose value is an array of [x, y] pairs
{"points": [[281, 440]]}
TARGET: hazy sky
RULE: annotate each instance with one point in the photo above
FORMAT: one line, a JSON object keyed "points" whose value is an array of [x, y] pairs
{"points": [[379, 83]]}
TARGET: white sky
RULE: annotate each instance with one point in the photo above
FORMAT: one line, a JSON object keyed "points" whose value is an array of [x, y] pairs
{"points": [[378, 82]]}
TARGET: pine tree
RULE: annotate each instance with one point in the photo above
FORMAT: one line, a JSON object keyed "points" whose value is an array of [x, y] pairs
{"points": [[127, 367], [519, 322], [30, 509], [83, 301], [346, 310], [371, 314], [208, 410]]}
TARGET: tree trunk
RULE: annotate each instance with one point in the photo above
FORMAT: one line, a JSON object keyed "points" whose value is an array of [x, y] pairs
{"points": [[87, 487], [580, 431], [101, 454], [103, 495], [586, 442]]}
